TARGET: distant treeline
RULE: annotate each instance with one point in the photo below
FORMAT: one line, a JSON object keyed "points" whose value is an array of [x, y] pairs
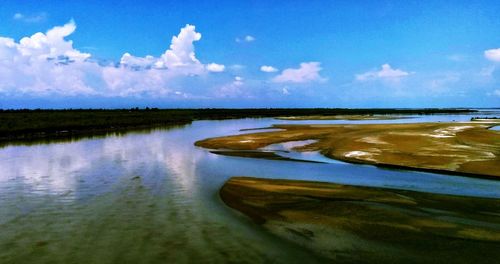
{"points": [[484, 117], [42, 123]]}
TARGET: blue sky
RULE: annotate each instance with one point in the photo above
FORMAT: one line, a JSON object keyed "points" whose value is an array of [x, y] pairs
{"points": [[249, 54]]}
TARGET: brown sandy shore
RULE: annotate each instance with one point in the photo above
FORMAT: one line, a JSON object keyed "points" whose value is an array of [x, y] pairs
{"points": [[465, 148], [343, 117], [351, 224]]}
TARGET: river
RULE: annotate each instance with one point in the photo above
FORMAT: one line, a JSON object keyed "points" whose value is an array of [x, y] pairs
{"points": [[152, 196]]}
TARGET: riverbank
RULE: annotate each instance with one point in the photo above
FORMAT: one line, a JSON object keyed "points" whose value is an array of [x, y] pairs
{"points": [[363, 224], [465, 148], [23, 125]]}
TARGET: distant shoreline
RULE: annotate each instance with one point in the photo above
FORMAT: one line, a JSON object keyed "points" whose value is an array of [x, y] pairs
{"points": [[27, 125]]}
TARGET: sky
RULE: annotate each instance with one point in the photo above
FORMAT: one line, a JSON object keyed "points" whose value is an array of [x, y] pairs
{"points": [[357, 54]]}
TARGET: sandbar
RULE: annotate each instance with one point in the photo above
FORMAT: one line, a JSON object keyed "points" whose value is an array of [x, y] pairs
{"points": [[371, 225], [463, 148]]}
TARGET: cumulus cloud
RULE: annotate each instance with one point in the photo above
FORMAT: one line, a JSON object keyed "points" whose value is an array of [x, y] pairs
{"points": [[247, 38], [180, 57], [51, 45], [214, 67], [266, 68], [153, 75], [47, 64], [492, 54], [44, 63], [181, 52], [40, 17], [137, 62], [307, 72], [385, 73]]}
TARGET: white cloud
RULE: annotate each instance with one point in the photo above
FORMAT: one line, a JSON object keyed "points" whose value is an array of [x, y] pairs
{"points": [[151, 75], [51, 45], [40, 17], [497, 92], [307, 72], [47, 64], [44, 63], [492, 54], [247, 38], [18, 16], [181, 52], [214, 67], [125, 82], [180, 57], [385, 73], [234, 89], [138, 62], [238, 81], [266, 68]]}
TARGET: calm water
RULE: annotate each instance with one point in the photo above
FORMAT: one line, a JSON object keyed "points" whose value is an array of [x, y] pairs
{"points": [[152, 197]]}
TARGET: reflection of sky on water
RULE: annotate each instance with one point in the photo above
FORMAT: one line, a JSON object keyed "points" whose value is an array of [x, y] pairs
{"points": [[88, 166]]}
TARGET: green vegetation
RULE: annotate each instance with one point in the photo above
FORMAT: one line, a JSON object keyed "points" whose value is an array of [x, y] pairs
{"points": [[34, 124], [63, 123]]}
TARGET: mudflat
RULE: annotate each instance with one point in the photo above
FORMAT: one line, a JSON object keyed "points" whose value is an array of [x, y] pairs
{"points": [[342, 117], [364, 224], [465, 148]]}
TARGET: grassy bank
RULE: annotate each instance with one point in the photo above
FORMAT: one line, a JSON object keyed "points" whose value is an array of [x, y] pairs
{"points": [[34, 124]]}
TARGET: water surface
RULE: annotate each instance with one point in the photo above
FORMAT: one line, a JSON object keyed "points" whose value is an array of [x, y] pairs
{"points": [[152, 197]]}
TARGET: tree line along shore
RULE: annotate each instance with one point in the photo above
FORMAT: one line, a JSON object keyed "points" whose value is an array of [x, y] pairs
{"points": [[26, 124]]}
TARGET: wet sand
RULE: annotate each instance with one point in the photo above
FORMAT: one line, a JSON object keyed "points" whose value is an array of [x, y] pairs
{"points": [[363, 224], [342, 117], [465, 148]]}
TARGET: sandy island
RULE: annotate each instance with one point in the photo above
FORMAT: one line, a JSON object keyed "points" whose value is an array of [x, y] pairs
{"points": [[464, 148], [342, 117], [364, 224]]}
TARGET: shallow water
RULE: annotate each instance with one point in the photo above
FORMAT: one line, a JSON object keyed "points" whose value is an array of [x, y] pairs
{"points": [[152, 197]]}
